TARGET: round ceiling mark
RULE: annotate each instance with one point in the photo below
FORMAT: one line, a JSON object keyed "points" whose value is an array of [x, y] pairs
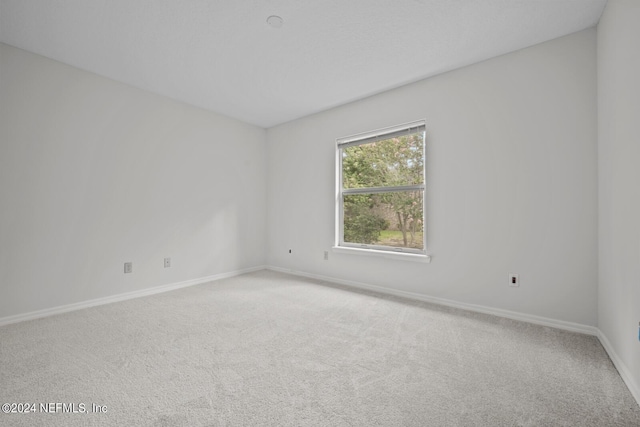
{"points": [[275, 21]]}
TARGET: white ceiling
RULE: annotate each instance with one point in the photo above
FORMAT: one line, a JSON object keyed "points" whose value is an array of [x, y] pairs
{"points": [[222, 55]]}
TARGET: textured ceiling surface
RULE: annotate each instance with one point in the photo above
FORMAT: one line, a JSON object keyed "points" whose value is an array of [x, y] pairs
{"points": [[223, 56]]}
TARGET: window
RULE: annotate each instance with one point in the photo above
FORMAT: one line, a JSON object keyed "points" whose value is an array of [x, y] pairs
{"points": [[380, 186]]}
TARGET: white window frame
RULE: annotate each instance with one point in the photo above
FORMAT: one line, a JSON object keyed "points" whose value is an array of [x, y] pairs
{"points": [[369, 249]]}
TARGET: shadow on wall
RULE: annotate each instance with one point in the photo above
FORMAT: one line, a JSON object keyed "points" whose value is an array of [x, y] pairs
{"points": [[215, 244]]}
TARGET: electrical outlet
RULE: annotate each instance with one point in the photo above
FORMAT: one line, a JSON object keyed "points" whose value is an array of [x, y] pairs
{"points": [[326, 255], [167, 262], [514, 280], [128, 267]]}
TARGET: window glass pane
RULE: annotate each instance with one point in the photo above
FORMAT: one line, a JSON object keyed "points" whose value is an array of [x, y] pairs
{"points": [[385, 219], [390, 162]]}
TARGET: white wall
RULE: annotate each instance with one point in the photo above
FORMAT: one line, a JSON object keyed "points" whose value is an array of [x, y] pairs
{"points": [[94, 173], [511, 176], [619, 184]]}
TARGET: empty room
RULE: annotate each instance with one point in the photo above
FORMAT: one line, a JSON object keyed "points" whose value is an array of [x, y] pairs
{"points": [[324, 213]]}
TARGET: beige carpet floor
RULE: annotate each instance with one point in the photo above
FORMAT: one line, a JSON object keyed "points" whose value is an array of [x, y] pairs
{"points": [[269, 349]]}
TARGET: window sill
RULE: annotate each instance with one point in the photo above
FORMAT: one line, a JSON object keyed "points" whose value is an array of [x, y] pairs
{"points": [[402, 256]]}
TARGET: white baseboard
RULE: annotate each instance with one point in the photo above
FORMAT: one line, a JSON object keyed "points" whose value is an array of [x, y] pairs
{"points": [[628, 379], [122, 297], [529, 318]]}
